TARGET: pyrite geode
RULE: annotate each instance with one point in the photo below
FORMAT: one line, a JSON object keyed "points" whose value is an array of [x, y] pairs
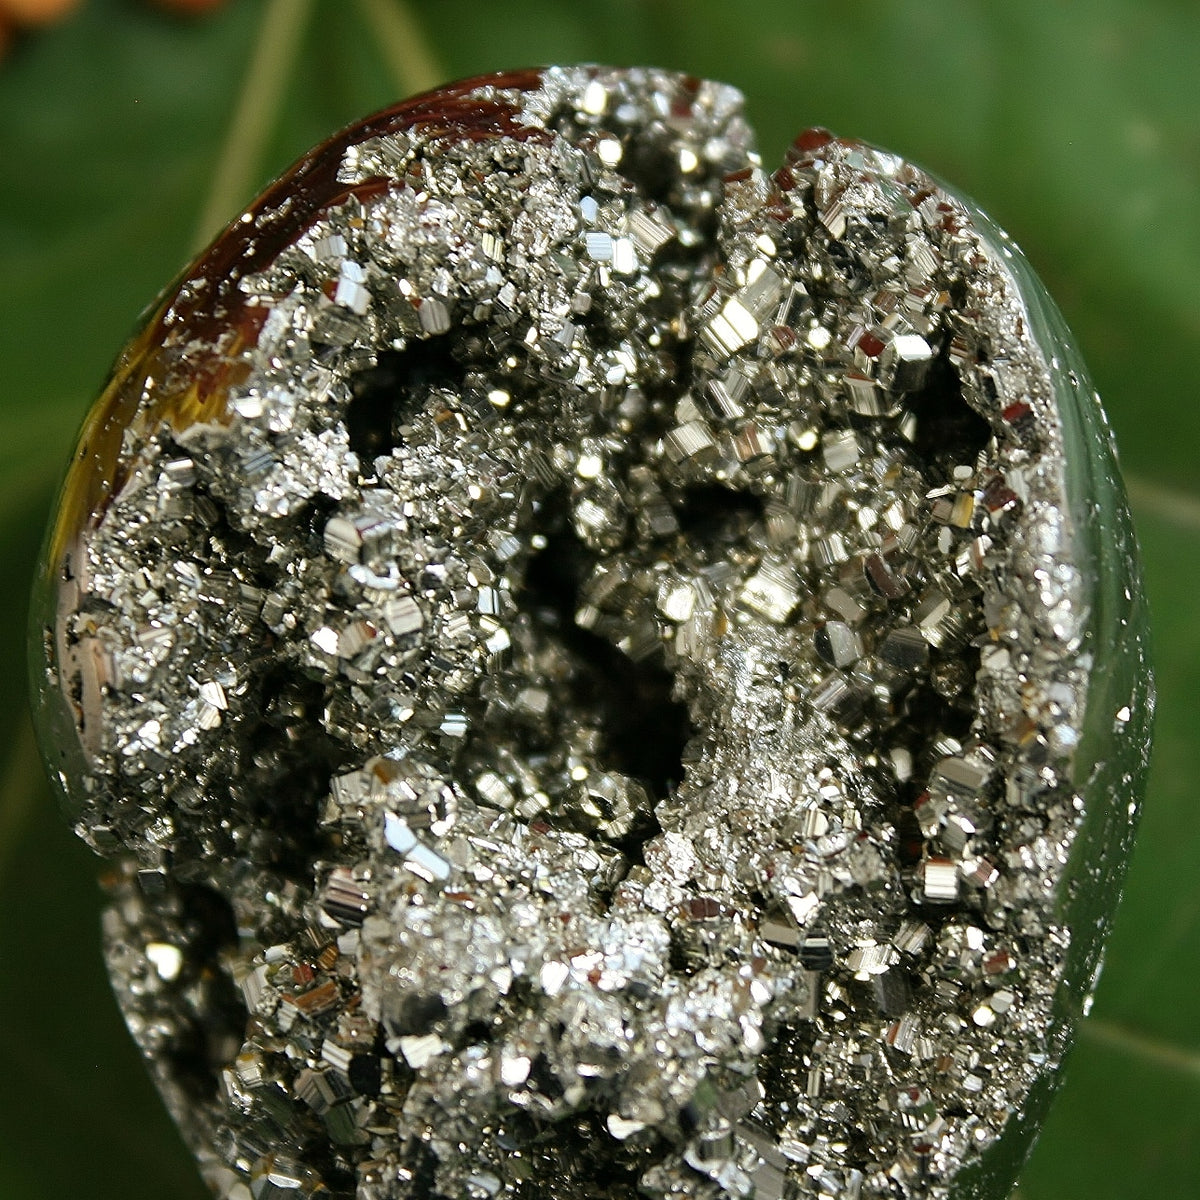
{"points": [[600, 670]]}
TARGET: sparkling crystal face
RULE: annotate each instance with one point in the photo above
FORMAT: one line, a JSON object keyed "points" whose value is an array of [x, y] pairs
{"points": [[575, 644]]}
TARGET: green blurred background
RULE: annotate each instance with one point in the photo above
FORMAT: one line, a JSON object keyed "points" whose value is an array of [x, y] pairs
{"points": [[127, 137]]}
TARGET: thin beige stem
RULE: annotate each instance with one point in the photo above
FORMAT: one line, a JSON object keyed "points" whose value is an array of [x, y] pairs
{"points": [[1138, 1045], [410, 58], [1180, 508], [279, 38]]}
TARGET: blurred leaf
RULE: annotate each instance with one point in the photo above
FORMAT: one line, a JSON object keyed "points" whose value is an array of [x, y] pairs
{"points": [[1124, 1127], [1075, 126]]}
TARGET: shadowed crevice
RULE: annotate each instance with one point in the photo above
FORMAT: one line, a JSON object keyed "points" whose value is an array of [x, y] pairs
{"points": [[385, 396], [645, 730]]}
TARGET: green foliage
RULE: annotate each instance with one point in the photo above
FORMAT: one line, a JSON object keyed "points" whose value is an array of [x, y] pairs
{"points": [[1074, 125]]}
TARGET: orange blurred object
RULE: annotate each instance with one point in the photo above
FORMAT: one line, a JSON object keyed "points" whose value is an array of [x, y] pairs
{"points": [[35, 12]]}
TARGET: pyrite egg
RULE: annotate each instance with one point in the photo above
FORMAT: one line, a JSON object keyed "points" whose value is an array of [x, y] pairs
{"points": [[600, 666]]}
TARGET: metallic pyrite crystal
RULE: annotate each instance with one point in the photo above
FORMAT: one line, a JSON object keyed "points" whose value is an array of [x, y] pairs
{"points": [[599, 670]]}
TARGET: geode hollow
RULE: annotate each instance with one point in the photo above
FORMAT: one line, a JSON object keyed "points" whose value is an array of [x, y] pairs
{"points": [[600, 670]]}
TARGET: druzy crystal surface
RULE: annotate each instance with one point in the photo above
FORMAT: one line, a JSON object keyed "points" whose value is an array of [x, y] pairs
{"points": [[600, 670]]}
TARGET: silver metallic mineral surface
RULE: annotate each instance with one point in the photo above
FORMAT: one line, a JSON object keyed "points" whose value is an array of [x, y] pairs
{"points": [[572, 646]]}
